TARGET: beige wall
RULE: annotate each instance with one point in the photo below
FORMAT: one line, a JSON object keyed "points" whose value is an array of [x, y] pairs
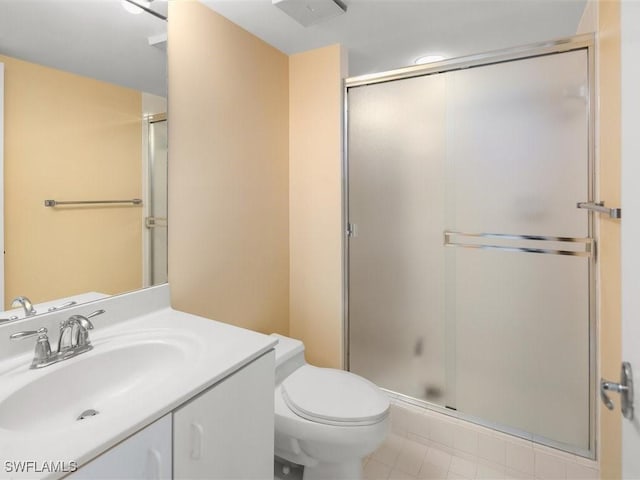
{"points": [[255, 181], [228, 174], [69, 138], [609, 244], [315, 196]]}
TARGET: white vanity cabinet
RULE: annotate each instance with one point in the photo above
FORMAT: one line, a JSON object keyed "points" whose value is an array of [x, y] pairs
{"points": [[145, 455], [224, 433], [227, 431]]}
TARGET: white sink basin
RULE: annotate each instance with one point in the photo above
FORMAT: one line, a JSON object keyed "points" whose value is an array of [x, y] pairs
{"points": [[147, 360], [106, 379]]}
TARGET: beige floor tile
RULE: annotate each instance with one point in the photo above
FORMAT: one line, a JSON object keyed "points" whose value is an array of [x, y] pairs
{"points": [[388, 452], [397, 474], [411, 457], [438, 458], [429, 471], [463, 467], [375, 470]]}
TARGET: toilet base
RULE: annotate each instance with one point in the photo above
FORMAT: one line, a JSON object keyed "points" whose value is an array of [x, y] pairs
{"points": [[350, 470]]}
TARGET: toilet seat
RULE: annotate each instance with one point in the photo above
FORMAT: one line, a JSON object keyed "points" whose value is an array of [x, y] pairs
{"points": [[334, 397]]}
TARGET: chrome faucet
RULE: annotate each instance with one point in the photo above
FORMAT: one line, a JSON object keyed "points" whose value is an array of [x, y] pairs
{"points": [[74, 334], [73, 340], [26, 304]]}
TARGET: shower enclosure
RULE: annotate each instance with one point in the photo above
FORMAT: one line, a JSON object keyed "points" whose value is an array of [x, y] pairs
{"points": [[470, 271]]}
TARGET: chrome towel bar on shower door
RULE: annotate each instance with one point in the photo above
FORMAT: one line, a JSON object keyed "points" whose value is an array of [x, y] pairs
{"points": [[55, 203], [577, 247]]}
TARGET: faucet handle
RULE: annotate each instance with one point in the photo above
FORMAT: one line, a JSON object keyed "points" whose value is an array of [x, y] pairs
{"points": [[95, 314], [42, 355], [80, 320], [64, 305], [28, 333]]}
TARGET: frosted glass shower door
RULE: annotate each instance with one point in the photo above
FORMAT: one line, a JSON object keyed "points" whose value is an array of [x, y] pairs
{"points": [[396, 201], [518, 265], [470, 269]]}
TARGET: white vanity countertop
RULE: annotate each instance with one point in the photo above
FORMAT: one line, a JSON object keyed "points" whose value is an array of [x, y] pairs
{"points": [[207, 352]]}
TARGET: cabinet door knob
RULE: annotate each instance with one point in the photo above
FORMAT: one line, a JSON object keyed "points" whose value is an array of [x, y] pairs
{"points": [[197, 433]]}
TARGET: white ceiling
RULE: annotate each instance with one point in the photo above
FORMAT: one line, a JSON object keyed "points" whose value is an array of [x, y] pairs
{"points": [[382, 35], [94, 38], [99, 39]]}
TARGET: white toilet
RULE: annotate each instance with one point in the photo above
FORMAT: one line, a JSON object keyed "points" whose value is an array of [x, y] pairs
{"points": [[326, 420]]}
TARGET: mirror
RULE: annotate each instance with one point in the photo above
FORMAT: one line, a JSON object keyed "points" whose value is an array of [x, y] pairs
{"points": [[84, 120]]}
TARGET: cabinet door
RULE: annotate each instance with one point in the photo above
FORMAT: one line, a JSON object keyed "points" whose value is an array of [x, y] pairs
{"points": [[227, 432], [144, 456]]}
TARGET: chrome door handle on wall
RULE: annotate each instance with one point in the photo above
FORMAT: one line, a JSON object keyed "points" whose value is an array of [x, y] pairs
{"points": [[600, 208], [624, 388]]}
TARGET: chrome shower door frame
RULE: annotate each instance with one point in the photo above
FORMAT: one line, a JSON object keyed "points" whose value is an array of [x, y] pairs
{"points": [[152, 222], [580, 42]]}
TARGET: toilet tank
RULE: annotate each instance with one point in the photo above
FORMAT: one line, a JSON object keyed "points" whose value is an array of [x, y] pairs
{"points": [[289, 356]]}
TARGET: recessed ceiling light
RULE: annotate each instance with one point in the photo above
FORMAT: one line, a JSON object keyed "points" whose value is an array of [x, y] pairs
{"points": [[429, 59]]}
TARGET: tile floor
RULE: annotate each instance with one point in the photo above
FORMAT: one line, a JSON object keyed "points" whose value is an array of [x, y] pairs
{"points": [[428, 445]]}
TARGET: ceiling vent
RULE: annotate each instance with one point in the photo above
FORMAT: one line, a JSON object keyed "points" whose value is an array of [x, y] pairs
{"points": [[310, 12]]}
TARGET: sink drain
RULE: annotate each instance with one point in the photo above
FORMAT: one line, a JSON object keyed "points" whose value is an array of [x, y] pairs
{"points": [[87, 413]]}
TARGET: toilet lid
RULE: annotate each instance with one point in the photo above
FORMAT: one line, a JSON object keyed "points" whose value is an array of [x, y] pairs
{"points": [[334, 397]]}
